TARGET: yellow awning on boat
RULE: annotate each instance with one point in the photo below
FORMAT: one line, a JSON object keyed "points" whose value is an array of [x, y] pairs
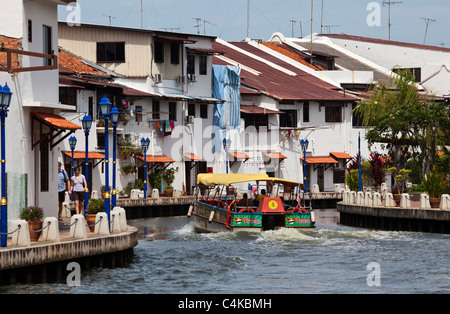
{"points": [[212, 179]]}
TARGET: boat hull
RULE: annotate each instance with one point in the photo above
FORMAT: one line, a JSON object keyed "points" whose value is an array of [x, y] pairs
{"points": [[222, 221]]}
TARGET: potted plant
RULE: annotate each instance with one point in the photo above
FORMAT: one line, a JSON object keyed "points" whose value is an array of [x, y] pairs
{"points": [[169, 177], [33, 215], [434, 184], [400, 183], [352, 180], [129, 169], [127, 148], [155, 179], [94, 207], [103, 191]]}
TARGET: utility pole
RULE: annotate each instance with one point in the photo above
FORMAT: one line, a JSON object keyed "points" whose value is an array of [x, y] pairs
{"points": [[389, 3], [293, 22], [312, 11], [330, 26], [427, 21], [110, 18], [248, 17]]}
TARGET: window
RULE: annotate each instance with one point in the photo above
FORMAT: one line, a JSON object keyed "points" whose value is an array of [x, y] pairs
{"points": [[68, 96], [256, 120], [417, 72], [175, 53], [111, 52], [288, 118], [30, 31], [91, 106], [333, 113], [203, 69], [159, 52], [306, 111], [155, 109], [204, 111], [138, 111], [47, 43], [357, 118], [173, 111], [44, 167], [190, 64], [339, 176], [191, 110]]}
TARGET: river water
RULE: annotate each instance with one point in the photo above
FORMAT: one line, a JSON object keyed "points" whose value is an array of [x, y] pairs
{"points": [[171, 258]]}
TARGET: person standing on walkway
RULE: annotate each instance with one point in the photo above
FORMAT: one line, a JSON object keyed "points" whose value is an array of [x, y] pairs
{"points": [[63, 186], [78, 185]]}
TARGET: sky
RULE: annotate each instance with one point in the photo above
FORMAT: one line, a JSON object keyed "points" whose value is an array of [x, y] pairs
{"points": [[228, 19]]}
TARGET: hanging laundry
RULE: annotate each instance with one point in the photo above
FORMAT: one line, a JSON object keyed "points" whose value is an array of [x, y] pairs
{"points": [[167, 127], [172, 124], [158, 124]]}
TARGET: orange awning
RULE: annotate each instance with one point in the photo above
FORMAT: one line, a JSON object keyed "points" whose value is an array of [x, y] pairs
{"points": [[339, 155], [161, 158], [239, 155], [275, 155], [56, 121], [320, 160], [193, 157], [82, 155]]}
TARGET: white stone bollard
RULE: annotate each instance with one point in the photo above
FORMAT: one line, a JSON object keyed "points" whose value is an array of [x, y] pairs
{"points": [[352, 199], [346, 197], [337, 188], [50, 232], [67, 197], [424, 201], [383, 188], [368, 199], [445, 202], [389, 200], [360, 198], [95, 195], [405, 201], [101, 224], [65, 213], [315, 189], [122, 217], [115, 222], [376, 200], [155, 193], [176, 193], [21, 237], [134, 194], [78, 227]]}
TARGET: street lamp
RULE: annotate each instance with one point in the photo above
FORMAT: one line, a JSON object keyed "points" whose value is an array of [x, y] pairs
{"points": [[145, 143], [304, 146], [6, 96], [86, 122], [104, 106], [72, 144], [226, 145], [114, 119]]}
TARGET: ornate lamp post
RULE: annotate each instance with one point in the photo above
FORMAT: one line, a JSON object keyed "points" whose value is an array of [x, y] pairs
{"points": [[105, 105], [145, 143], [5, 97], [304, 146], [226, 145], [114, 119], [72, 144], [86, 123]]}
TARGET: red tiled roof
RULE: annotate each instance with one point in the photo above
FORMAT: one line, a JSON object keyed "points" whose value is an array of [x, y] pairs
{"points": [[193, 157], [56, 120], [151, 158], [339, 155], [258, 110], [82, 155], [275, 83], [291, 53], [239, 155], [68, 62], [275, 155], [320, 160]]}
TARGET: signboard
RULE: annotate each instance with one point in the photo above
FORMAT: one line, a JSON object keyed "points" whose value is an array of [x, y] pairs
{"points": [[247, 220], [298, 220]]}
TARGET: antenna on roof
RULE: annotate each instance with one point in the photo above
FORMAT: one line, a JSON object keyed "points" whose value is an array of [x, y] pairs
{"points": [[428, 21], [389, 3], [110, 18], [330, 26], [204, 26], [248, 17], [293, 22], [198, 24]]}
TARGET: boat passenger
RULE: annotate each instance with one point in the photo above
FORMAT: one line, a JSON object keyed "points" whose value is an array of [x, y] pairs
{"points": [[244, 201], [262, 195]]}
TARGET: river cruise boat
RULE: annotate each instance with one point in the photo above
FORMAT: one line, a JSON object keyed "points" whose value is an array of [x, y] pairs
{"points": [[217, 208]]}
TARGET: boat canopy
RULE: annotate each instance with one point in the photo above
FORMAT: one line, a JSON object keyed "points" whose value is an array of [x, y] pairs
{"points": [[212, 179]]}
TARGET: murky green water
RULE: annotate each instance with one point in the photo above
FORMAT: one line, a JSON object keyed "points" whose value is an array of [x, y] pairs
{"points": [[172, 258]]}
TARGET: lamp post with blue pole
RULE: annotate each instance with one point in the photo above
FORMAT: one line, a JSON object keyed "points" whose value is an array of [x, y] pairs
{"points": [[105, 105], [226, 145], [145, 143], [5, 98], [304, 146], [86, 123], [114, 119], [72, 144], [359, 161]]}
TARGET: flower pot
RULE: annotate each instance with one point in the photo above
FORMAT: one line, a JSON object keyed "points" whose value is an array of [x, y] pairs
{"points": [[397, 198], [168, 193], [103, 194], [35, 228], [90, 220], [435, 202]]}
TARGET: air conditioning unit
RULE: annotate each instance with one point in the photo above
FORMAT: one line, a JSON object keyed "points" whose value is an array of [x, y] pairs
{"points": [[158, 78], [189, 119], [193, 77], [181, 79]]}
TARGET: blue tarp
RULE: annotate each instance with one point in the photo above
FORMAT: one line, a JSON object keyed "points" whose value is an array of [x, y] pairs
{"points": [[227, 115]]}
